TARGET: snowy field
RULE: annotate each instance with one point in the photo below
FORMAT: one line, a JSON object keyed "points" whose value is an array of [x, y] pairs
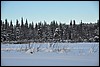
{"points": [[50, 54]]}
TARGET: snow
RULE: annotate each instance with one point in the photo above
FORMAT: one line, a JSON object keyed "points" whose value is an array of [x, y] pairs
{"points": [[56, 54]]}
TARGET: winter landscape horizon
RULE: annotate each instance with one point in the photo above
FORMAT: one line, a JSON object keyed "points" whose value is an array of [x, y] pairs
{"points": [[49, 33]]}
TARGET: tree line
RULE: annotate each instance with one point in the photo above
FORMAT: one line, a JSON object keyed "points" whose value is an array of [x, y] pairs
{"points": [[53, 32]]}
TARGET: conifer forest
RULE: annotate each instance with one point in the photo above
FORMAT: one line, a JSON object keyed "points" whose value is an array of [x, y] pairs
{"points": [[23, 31]]}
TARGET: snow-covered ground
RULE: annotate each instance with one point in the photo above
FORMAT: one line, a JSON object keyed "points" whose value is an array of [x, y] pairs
{"points": [[50, 54]]}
